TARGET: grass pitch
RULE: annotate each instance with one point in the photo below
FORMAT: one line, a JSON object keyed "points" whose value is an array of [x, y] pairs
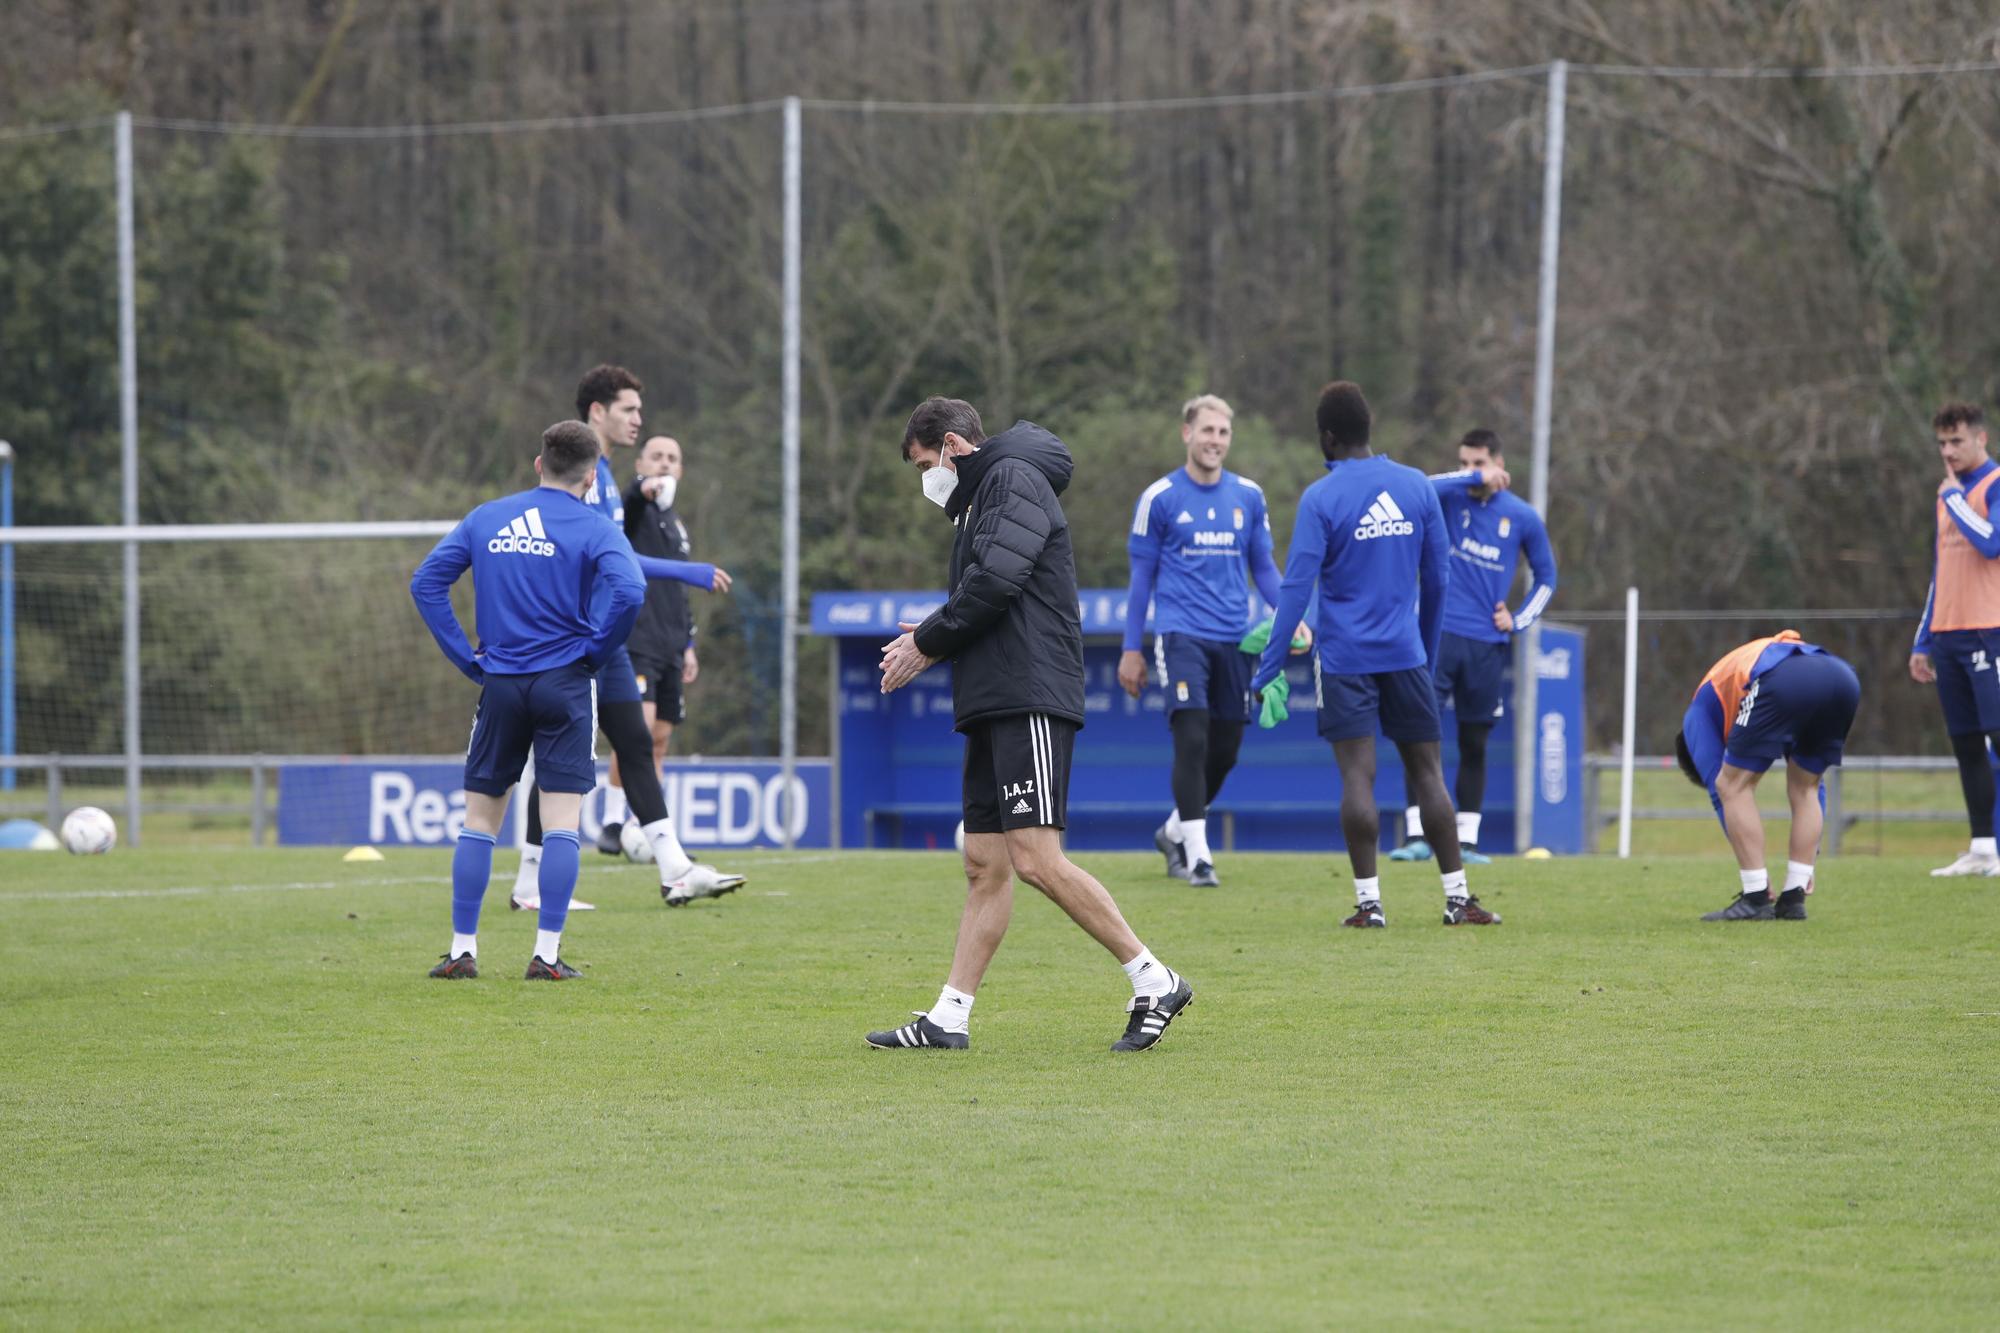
{"points": [[230, 1097]]}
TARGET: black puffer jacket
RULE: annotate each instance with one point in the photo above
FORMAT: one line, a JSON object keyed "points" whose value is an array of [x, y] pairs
{"points": [[1010, 625]]}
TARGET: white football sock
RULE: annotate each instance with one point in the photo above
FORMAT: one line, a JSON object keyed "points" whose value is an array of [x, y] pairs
{"points": [[547, 943], [1174, 824], [1194, 837], [1368, 890], [1983, 847], [614, 805], [1454, 883], [528, 879], [1798, 874], [1755, 881], [1468, 828], [953, 1010], [671, 857], [1149, 975], [1413, 824], [462, 945]]}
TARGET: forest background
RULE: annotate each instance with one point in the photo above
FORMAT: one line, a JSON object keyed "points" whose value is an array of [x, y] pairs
{"points": [[1767, 285]]}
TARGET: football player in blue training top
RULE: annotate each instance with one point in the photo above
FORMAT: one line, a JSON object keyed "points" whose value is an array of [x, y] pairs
{"points": [[556, 588], [1367, 533], [608, 404], [1772, 698], [1490, 529], [1199, 536]]}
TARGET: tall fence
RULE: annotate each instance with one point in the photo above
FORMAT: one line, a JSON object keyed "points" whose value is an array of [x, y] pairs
{"points": [[373, 322]]}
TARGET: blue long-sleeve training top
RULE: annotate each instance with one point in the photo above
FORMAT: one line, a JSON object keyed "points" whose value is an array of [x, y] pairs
{"points": [[1191, 547], [553, 581], [1371, 535], [1488, 537]]}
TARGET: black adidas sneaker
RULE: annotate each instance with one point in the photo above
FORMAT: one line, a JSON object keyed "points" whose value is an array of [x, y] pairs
{"points": [[1150, 1016], [1750, 907], [919, 1035], [1792, 905]]}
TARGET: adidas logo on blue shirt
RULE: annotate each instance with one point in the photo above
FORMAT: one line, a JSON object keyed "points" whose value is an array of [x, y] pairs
{"points": [[524, 536], [1383, 519]]}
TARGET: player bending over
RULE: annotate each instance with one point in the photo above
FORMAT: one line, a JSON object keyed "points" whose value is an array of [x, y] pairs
{"points": [[1490, 528], [1197, 533], [556, 588], [1009, 627], [1958, 638], [1368, 532], [1770, 698]]}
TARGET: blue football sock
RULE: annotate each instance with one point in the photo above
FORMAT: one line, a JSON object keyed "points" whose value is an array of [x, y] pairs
{"points": [[471, 866], [560, 854]]}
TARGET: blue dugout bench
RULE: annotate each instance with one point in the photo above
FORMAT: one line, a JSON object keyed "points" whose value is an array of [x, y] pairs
{"points": [[896, 760]]}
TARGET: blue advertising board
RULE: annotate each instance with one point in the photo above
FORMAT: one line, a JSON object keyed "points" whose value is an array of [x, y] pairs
{"points": [[722, 803], [898, 760]]}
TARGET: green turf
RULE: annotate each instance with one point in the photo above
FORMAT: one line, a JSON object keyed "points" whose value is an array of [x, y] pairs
{"points": [[230, 1097]]}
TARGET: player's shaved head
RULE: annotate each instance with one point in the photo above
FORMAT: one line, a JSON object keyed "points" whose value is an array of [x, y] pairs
{"points": [[1343, 417], [569, 452]]}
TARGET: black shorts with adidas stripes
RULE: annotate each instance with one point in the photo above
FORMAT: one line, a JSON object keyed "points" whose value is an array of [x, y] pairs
{"points": [[1017, 773]]}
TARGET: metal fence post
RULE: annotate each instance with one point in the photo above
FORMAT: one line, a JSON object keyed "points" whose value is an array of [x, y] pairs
{"points": [[788, 620], [55, 794], [128, 430], [257, 801], [1527, 722]]}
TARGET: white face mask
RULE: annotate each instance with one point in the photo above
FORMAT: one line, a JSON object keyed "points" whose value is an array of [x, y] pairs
{"points": [[664, 497], [939, 483]]}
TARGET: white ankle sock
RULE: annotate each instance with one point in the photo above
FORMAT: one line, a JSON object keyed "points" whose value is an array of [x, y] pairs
{"points": [[1413, 824], [1174, 824], [1798, 874], [1149, 975], [462, 945], [528, 880], [953, 1010], [1468, 828], [1755, 881], [1984, 847], [668, 853], [614, 805], [1368, 890], [1454, 883], [547, 944], [1194, 837]]}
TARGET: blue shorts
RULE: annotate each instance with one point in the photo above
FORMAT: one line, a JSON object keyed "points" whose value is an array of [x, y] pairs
{"points": [[617, 681], [1469, 673], [1968, 683], [1204, 673], [1403, 702], [553, 712], [1800, 710]]}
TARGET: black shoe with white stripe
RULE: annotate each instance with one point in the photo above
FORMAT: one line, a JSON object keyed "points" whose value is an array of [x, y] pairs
{"points": [[919, 1035], [1151, 1014]]}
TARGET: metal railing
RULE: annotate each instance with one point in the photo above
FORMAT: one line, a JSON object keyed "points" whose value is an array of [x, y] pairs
{"points": [[260, 806], [1838, 819]]}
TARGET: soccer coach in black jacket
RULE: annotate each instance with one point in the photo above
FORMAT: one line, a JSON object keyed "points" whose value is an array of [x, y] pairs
{"points": [[1010, 629]]}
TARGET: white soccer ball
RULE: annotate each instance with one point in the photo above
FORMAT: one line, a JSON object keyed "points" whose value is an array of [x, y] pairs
{"points": [[958, 837], [633, 839], [88, 831]]}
